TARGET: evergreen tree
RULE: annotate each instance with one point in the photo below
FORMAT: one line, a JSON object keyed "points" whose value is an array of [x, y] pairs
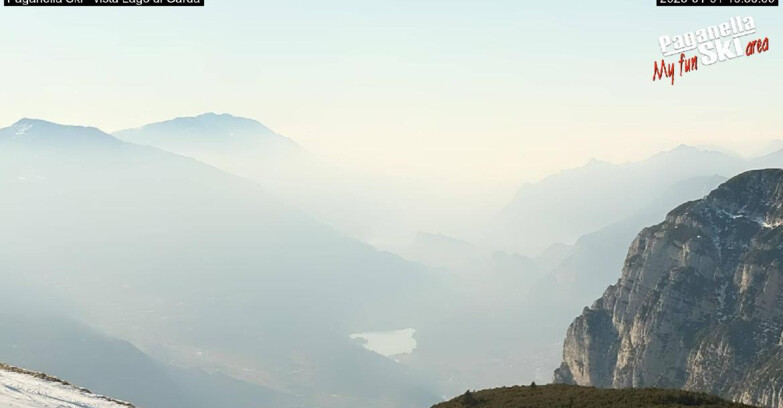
{"points": [[469, 400]]}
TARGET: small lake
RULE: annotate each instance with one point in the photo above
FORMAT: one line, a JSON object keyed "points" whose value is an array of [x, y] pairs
{"points": [[388, 343]]}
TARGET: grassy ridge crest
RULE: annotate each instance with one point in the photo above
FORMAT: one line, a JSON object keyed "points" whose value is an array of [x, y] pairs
{"points": [[569, 396]]}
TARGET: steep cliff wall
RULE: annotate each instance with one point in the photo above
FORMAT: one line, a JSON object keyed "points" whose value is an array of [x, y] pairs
{"points": [[699, 304]]}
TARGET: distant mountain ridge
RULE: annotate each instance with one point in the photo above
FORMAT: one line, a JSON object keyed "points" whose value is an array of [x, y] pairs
{"points": [[208, 132], [565, 206], [699, 304], [565, 279], [161, 248], [44, 134], [351, 201], [581, 266]]}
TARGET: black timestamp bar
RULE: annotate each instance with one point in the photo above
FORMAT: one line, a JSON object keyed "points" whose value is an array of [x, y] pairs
{"points": [[103, 3], [716, 3]]}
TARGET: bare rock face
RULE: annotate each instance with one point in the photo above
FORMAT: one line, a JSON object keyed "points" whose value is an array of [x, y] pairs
{"points": [[699, 305]]}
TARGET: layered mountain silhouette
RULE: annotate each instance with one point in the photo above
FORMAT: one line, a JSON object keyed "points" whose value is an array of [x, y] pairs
{"points": [[382, 208], [583, 270], [570, 204], [222, 283], [211, 133], [346, 200], [204, 267]]}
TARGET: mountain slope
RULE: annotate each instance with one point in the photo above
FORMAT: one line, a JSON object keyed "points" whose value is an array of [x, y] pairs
{"points": [[49, 342], [346, 200], [570, 204], [384, 208], [590, 265], [504, 294], [699, 302], [210, 133], [25, 389], [67, 349], [555, 396], [577, 275], [204, 267]]}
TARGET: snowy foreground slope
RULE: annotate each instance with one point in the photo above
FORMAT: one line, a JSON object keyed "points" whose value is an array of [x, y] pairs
{"points": [[25, 389]]}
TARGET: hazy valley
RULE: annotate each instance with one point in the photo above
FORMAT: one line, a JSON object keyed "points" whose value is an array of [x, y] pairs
{"points": [[138, 246]]}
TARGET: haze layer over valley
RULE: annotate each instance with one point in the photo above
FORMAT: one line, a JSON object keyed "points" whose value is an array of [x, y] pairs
{"points": [[379, 208], [200, 267], [227, 263], [494, 290]]}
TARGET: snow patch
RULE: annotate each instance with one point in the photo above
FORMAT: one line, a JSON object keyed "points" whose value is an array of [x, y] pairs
{"points": [[757, 220], [24, 178], [21, 389], [23, 128]]}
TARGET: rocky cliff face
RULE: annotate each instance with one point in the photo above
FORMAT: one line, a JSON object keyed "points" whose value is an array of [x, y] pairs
{"points": [[699, 305]]}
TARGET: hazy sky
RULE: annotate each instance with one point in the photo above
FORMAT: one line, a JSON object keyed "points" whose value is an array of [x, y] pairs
{"points": [[480, 90]]}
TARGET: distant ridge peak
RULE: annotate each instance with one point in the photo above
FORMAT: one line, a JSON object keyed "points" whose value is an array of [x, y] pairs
{"points": [[686, 147], [684, 151], [209, 132], [208, 115], [215, 114], [598, 162], [679, 149], [43, 122], [33, 121], [46, 133], [209, 119]]}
